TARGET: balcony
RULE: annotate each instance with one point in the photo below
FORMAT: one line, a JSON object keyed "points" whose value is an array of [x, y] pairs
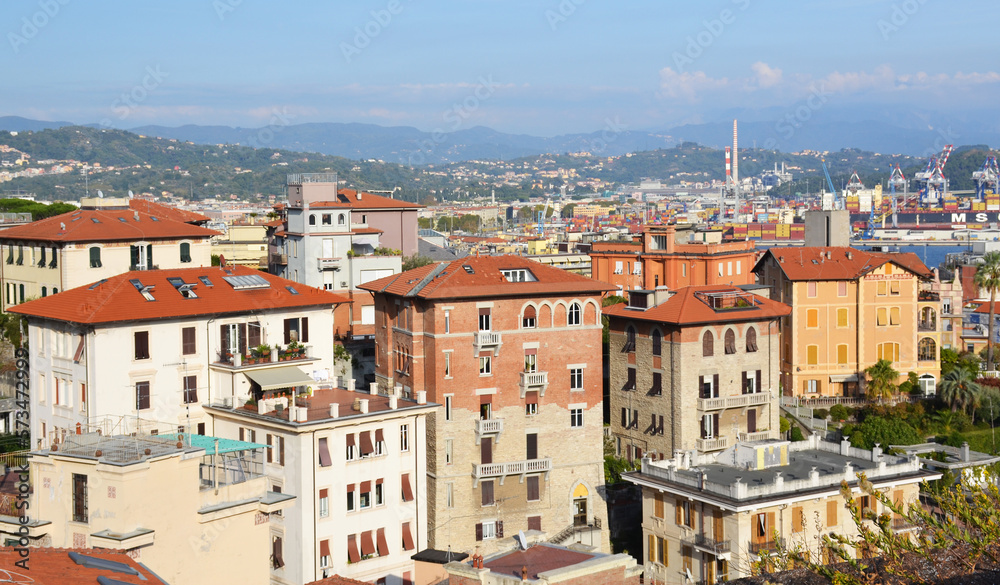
{"points": [[502, 470], [534, 381], [717, 444], [278, 259], [765, 547], [743, 400], [928, 326], [299, 354], [487, 340], [900, 524], [758, 436], [702, 542], [328, 263], [491, 426]]}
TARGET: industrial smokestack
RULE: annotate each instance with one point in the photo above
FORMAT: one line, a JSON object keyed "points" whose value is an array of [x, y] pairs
{"points": [[736, 156]]}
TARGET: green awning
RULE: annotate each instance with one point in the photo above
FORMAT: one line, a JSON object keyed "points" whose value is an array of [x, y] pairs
{"points": [[282, 377], [208, 443]]}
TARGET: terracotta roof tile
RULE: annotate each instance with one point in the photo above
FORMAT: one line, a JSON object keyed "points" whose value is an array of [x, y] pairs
{"points": [[692, 305], [481, 277], [54, 566], [348, 198], [104, 225], [338, 580], [838, 263], [116, 299], [167, 211]]}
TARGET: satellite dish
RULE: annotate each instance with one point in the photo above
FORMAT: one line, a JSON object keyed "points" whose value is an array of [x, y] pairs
{"points": [[521, 540], [100, 193], [130, 195]]}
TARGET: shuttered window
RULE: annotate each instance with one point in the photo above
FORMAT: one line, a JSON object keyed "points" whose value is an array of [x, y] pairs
{"points": [[707, 345]]}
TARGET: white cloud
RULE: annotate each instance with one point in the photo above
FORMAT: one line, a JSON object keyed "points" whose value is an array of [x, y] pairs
{"points": [[767, 76]]}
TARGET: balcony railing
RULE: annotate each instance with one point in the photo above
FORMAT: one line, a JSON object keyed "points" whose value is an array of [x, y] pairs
{"points": [[534, 381], [279, 259], [757, 436], [226, 358], [491, 426], [764, 547], [486, 339], [708, 544], [716, 444], [902, 524], [733, 401], [329, 263], [487, 470], [926, 326]]}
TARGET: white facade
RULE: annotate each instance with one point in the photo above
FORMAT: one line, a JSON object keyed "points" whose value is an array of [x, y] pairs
{"points": [[401, 458]]}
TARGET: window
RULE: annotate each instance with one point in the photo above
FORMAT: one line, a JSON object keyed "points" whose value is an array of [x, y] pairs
{"points": [[684, 270], [142, 395], [831, 513], [341, 219], [407, 490], [141, 345], [573, 317], [484, 319], [881, 317], [528, 321], [811, 289], [894, 316], [842, 320], [880, 288], [45, 291], [530, 361], [142, 257], [352, 450], [189, 345], [324, 503], [812, 355], [684, 515], [926, 350], [576, 417], [842, 354], [657, 387], [95, 257], [751, 382], [379, 493], [327, 219], [485, 365], [798, 519], [365, 495], [185, 252], [751, 340], [576, 379], [812, 318], [277, 557], [297, 329], [812, 386], [447, 321], [447, 364], [350, 497], [450, 495], [842, 288], [630, 380], [531, 409], [404, 437], [324, 554], [658, 505], [730, 342], [888, 351], [447, 407], [312, 219], [722, 271], [324, 451], [629, 340], [894, 287], [80, 512], [407, 537], [707, 345], [489, 530], [657, 342], [534, 494], [449, 450], [486, 490], [190, 389], [618, 267]]}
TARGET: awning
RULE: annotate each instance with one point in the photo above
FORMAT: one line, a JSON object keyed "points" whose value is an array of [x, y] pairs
{"points": [[834, 378], [282, 377], [367, 544]]}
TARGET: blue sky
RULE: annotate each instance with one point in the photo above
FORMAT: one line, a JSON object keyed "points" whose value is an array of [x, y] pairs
{"points": [[542, 68]]}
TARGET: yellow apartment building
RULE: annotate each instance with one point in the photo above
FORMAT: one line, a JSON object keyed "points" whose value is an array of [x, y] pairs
{"points": [[851, 308]]}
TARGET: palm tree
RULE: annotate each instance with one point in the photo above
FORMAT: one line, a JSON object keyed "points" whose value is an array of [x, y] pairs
{"points": [[959, 389], [988, 278], [882, 380]]}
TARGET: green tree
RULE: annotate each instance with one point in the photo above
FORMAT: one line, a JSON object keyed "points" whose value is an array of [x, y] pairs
{"points": [[882, 380], [613, 300], [885, 431], [415, 261], [988, 278], [567, 210], [424, 223], [959, 389], [949, 360]]}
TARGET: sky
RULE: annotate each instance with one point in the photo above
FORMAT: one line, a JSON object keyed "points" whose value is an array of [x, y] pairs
{"points": [[543, 68]]}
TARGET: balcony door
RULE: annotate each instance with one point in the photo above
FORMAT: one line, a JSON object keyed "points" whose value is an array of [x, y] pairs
{"points": [[752, 420], [532, 446], [580, 512], [486, 450]]}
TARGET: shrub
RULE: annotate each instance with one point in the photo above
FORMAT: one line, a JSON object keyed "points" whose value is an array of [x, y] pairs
{"points": [[839, 412], [821, 413], [796, 434], [783, 424]]}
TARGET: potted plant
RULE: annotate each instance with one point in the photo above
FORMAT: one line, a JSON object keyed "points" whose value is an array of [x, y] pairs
{"points": [[294, 349]]}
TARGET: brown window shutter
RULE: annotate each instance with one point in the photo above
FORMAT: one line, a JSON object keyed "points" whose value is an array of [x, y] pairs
{"points": [[743, 388], [407, 537], [479, 531], [486, 488], [352, 548], [658, 505], [679, 513], [281, 451], [324, 548], [383, 546], [324, 493], [366, 486], [379, 437], [242, 434], [624, 418], [770, 525], [831, 513], [499, 528], [366, 443], [224, 338], [324, 453], [269, 449], [279, 561], [651, 549], [367, 544], [532, 446], [715, 385], [305, 330], [288, 331], [758, 388], [534, 522], [407, 490], [701, 387]]}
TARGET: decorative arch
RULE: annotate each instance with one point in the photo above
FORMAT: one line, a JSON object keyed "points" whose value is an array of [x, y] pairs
{"points": [[559, 314], [545, 314], [927, 350], [529, 316], [341, 219], [580, 503], [574, 314], [656, 336], [312, 219], [708, 344], [591, 312], [730, 345]]}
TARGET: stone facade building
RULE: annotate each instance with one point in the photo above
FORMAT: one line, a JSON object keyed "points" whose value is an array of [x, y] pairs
{"points": [[511, 349], [695, 368]]}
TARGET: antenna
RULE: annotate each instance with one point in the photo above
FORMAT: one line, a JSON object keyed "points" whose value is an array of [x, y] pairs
{"points": [[521, 540]]}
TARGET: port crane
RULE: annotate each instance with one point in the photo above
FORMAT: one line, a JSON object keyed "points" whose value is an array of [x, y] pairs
{"points": [[837, 204], [933, 176], [986, 177], [896, 181]]}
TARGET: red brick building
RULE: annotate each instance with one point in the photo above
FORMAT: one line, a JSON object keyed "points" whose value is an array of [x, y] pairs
{"points": [[511, 349], [656, 258]]}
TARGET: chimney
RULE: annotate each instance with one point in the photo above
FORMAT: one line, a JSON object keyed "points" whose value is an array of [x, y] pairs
{"points": [[363, 405], [351, 384], [135, 215], [393, 402], [524, 573], [421, 397], [373, 388], [850, 255], [965, 452], [334, 410], [358, 192]]}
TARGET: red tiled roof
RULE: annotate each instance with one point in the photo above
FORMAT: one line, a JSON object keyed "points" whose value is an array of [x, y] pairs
{"points": [[349, 198], [54, 566], [79, 226], [166, 211], [484, 279], [537, 559], [688, 307], [338, 580], [116, 299], [984, 307], [833, 263]]}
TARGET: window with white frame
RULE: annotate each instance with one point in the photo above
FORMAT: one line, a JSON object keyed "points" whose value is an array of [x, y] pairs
{"points": [[365, 501], [576, 379], [404, 437], [324, 503], [576, 417], [531, 409], [447, 407], [485, 365], [618, 267], [379, 494], [489, 529], [574, 315]]}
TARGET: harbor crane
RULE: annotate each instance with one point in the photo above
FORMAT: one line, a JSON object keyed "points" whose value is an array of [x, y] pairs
{"points": [[986, 177], [837, 203], [935, 183]]}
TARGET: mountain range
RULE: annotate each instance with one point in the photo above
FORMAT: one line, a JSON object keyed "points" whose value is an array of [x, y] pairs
{"points": [[410, 146]]}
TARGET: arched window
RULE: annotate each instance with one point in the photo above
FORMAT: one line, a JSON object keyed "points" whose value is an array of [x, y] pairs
{"points": [[528, 321], [95, 257], [926, 350], [340, 219], [730, 341], [312, 219], [708, 344], [657, 341], [751, 340], [185, 252], [573, 318], [629, 340], [45, 292]]}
